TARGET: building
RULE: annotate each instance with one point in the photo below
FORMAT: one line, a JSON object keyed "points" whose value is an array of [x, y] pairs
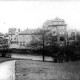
{"points": [[72, 34], [20, 39], [57, 27], [25, 37], [13, 37], [3, 41]]}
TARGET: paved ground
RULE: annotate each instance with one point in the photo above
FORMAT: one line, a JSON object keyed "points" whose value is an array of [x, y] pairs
{"points": [[7, 70], [36, 70]]}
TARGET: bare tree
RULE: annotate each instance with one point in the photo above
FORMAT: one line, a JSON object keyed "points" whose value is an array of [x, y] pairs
{"points": [[39, 40]]}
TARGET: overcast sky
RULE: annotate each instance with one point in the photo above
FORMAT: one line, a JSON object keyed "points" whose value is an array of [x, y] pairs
{"points": [[32, 14]]}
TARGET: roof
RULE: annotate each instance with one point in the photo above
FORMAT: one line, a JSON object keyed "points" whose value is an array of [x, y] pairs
{"points": [[29, 32], [58, 19], [55, 22]]}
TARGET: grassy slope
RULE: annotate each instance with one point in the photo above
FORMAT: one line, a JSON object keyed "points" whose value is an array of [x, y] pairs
{"points": [[35, 70]]}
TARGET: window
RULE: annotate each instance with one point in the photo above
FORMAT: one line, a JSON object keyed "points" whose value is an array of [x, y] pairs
{"points": [[23, 44], [20, 44], [62, 38], [54, 32], [61, 33], [61, 27]]}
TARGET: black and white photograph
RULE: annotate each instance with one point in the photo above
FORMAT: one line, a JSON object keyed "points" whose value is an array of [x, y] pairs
{"points": [[39, 40]]}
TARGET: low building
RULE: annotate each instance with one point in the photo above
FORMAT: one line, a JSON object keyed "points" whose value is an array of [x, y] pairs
{"points": [[20, 39], [25, 37]]}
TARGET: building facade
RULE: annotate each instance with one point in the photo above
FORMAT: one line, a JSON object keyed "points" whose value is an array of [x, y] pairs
{"points": [[26, 37], [23, 40], [57, 27], [20, 39]]}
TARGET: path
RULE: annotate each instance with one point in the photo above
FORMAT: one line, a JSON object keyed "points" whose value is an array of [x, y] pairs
{"points": [[7, 70]]}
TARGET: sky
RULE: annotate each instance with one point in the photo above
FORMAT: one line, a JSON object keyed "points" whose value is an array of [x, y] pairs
{"points": [[32, 14]]}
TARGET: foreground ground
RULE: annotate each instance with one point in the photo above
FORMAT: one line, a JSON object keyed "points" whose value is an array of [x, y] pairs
{"points": [[36, 70]]}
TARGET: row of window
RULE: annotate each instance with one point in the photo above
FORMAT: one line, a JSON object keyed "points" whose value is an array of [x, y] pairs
{"points": [[59, 33], [56, 27], [13, 39], [61, 27], [62, 32], [56, 22], [55, 39], [23, 44]]}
